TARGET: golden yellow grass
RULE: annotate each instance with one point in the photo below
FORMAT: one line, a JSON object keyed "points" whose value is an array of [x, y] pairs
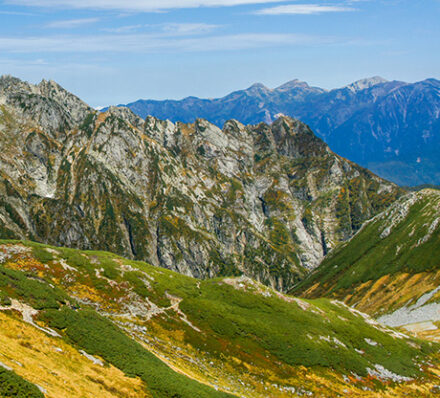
{"points": [[58, 367], [388, 293]]}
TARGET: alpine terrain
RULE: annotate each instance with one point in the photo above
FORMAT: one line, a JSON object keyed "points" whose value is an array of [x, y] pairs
{"points": [[77, 323], [146, 258]]}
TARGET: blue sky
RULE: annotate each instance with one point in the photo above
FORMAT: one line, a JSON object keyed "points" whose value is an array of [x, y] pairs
{"points": [[117, 51]]}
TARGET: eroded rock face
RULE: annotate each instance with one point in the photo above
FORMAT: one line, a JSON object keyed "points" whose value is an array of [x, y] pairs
{"points": [[268, 200]]}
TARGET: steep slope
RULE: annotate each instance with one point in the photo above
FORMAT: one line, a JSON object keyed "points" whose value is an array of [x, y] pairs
{"points": [[389, 267], [390, 127], [268, 201], [94, 311], [63, 349]]}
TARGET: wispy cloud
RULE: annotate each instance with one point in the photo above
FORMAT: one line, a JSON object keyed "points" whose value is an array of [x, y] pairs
{"points": [[71, 23], [136, 5], [166, 29], [302, 9], [187, 28], [21, 62], [22, 14], [147, 43], [40, 67], [123, 29]]}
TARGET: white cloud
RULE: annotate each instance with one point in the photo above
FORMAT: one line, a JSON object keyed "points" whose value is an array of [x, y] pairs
{"points": [[21, 62], [147, 43], [71, 23], [302, 9], [136, 5]]}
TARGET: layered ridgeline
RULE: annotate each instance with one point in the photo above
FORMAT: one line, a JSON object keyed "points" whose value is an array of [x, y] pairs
{"points": [[391, 268], [268, 201], [76, 323], [391, 128]]}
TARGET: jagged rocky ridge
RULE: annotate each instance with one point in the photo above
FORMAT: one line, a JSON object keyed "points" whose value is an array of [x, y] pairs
{"points": [[390, 127], [268, 200]]}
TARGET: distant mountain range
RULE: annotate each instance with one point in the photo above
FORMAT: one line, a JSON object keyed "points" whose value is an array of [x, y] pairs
{"points": [[390, 127]]}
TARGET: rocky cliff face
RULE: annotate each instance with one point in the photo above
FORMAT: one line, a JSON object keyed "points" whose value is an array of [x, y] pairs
{"points": [[390, 268], [268, 200]]}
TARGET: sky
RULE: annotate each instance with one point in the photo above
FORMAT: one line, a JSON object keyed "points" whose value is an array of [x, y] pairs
{"points": [[117, 51]]}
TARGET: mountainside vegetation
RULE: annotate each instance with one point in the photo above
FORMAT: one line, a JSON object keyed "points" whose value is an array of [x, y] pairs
{"points": [[266, 201], [126, 328], [12, 385], [390, 265]]}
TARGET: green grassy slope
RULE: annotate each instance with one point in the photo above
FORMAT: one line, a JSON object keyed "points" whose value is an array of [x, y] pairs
{"points": [[233, 334], [399, 246], [98, 336], [88, 330]]}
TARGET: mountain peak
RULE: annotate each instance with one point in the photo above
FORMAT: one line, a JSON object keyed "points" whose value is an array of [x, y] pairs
{"points": [[363, 84], [54, 91], [5, 79], [292, 84], [11, 84], [258, 87], [45, 86], [45, 83], [432, 81]]}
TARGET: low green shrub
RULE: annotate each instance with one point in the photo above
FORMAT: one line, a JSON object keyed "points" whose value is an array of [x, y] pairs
{"points": [[12, 385], [38, 294], [99, 336]]}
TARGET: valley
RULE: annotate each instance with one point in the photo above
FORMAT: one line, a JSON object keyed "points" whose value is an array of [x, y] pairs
{"points": [[390, 268]]}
